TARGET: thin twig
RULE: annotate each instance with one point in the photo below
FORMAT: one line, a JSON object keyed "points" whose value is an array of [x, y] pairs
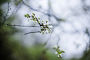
{"points": [[26, 26], [21, 25], [32, 32]]}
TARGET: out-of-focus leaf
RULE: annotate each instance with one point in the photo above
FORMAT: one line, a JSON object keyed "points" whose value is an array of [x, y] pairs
{"points": [[27, 15]]}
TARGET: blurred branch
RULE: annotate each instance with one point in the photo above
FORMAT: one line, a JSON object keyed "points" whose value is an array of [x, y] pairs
{"points": [[32, 32], [16, 9], [49, 10], [85, 7], [13, 12], [58, 40], [43, 12], [8, 9], [87, 32], [4, 17], [27, 26], [21, 25]]}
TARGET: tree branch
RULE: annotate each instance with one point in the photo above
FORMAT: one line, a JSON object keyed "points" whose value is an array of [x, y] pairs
{"points": [[32, 32], [4, 17], [21, 25], [43, 12]]}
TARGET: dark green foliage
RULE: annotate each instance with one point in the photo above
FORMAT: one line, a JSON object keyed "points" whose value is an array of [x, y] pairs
{"points": [[86, 55], [5, 33], [3, 1], [39, 52]]}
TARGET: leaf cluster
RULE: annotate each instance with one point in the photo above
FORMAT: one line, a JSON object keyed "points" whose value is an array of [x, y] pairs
{"points": [[59, 52], [44, 27]]}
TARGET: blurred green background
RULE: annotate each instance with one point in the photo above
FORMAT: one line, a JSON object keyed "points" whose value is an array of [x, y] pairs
{"points": [[12, 49]]}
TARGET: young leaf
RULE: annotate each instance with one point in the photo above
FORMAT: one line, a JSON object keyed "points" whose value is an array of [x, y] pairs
{"points": [[27, 15]]}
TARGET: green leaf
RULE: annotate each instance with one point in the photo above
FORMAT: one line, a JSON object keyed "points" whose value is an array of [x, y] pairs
{"points": [[33, 14], [27, 15]]}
